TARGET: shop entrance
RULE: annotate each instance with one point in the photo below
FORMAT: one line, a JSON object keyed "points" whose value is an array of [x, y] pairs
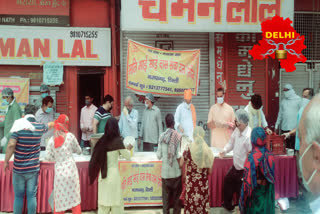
{"points": [[90, 81]]}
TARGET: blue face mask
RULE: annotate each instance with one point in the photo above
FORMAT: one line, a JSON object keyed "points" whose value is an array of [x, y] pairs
{"points": [[87, 102], [5, 102], [48, 110], [44, 95]]}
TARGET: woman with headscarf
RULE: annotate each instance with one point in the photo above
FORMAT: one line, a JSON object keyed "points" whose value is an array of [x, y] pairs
{"points": [[66, 177], [198, 159], [104, 164], [257, 193]]}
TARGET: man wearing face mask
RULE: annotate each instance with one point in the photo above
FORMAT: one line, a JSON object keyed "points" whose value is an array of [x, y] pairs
{"points": [[13, 113], [220, 121], [128, 123], [86, 121], [44, 92], [102, 115], [45, 115], [307, 95], [309, 162], [151, 126], [287, 116], [185, 118]]}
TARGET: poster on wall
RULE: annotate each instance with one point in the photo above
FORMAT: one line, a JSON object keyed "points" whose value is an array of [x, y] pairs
{"points": [[53, 73], [236, 69], [20, 87], [35, 12], [201, 15], [161, 72], [141, 183], [73, 46]]}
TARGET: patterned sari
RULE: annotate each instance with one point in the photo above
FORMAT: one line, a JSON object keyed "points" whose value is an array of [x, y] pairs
{"points": [[259, 168]]}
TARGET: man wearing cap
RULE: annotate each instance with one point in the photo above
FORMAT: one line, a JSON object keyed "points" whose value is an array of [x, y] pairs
{"points": [[185, 117], [44, 92], [13, 113], [151, 127], [287, 116]]}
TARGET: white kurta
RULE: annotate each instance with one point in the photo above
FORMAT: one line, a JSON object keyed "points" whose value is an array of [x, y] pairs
{"points": [[109, 188], [255, 118], [66, 176], [183, 118]]}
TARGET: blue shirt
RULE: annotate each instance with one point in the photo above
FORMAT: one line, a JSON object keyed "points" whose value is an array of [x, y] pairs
{"points": [[128, 124], [26, 156]]}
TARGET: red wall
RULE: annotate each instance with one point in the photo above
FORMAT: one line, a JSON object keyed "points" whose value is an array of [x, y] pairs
{"points": [[89, 13], [307, 5], [95, 13]]}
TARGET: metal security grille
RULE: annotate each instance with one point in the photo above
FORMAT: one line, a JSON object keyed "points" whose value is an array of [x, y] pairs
{"points": [[307, 24]]}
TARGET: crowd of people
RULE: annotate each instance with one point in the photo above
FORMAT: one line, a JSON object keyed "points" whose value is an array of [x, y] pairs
{"points": [[187, 159]]}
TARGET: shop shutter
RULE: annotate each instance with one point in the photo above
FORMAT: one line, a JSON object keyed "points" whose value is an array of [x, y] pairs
{"points": [[181, 41], [316, 79], [299, 79]]}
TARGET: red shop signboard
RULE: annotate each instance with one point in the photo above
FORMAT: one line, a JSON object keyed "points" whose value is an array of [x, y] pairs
{"points": [[237, 71]]}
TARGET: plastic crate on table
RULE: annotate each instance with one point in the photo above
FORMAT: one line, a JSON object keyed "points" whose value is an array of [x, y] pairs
{"points": [[276, 144]]}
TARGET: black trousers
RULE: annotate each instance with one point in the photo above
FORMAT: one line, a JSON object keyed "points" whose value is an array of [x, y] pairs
{"points": [[171, 189], [291, 141], [232, 184], [149, 147]]}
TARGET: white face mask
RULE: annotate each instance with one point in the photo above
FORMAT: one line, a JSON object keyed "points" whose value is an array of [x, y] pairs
{"points": [[220, 100], [145, 103], [289, 93], [306, 183]]}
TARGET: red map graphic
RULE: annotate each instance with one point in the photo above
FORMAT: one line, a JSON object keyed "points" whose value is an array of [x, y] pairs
{"points": [[294, 46]]}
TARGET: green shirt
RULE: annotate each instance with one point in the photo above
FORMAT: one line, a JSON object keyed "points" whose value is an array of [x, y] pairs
{"points": [[102, 116], [14, 113]]}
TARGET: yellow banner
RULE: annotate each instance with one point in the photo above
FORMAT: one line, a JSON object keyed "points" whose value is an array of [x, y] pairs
{"points": [[20, 87], [161, 72], [141, 183]]}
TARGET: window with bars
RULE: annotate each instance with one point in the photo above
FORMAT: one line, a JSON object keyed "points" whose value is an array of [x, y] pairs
{"points": [[307, 24]]}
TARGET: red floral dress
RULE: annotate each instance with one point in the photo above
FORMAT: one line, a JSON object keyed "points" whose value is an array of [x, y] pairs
{"points": [[197, 187]]}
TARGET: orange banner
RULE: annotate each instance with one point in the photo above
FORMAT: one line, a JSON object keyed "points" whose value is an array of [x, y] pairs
{"points": [[162, 72]]}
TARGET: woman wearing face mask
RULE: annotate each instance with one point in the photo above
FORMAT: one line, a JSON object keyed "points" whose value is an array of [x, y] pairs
{"points": [[288, 112], [46, 115]]}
